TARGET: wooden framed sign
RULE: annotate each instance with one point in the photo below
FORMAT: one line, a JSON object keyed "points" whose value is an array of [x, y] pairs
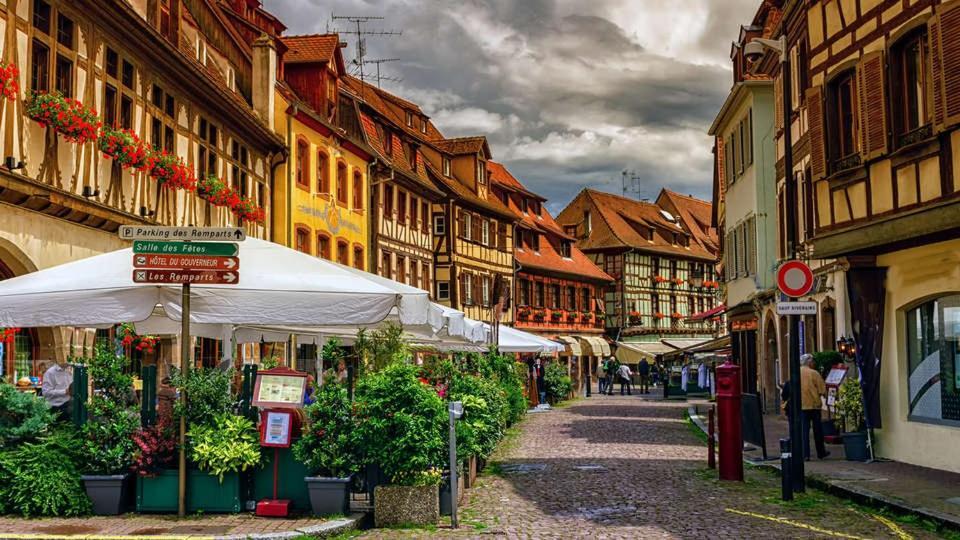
{"points": [[280, 388]]}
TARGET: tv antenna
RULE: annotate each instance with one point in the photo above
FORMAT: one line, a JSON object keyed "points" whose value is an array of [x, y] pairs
{"points": [[361, 33], [380, 77], [633, 185]]}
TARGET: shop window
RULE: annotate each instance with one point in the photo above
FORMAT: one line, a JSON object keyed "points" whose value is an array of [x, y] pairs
{"points": [[323, 246], [933, 360], [910, 86], [323, 173], [357, 190], [303, 164], [343, 253], [302, 240], [358, 257], [342, 188]]}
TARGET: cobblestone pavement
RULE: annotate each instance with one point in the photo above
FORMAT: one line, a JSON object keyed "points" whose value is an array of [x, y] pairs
{"points": [[628, 467]]}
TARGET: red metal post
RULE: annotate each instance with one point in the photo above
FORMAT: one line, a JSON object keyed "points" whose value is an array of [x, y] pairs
{"points": [[711, 437], [728, 417]]}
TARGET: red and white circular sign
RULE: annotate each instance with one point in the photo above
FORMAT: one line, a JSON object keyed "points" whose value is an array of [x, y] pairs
{"points": [[794, 278]]}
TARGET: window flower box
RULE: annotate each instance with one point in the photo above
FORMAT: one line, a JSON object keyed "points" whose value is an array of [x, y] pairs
{"points": [[66, 116], [556, 315], [539, 316], [9, 81], [658, 315], [676, 315], [571, 317], [170, 172], [660, 279], [124, 147], [678, 281]]}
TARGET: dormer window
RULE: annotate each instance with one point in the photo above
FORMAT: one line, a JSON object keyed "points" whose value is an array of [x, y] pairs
{"points": [[413, 158], [409, 119], [523, 205], [423, 124], [565, 248], [446, 167], [481, 172]]}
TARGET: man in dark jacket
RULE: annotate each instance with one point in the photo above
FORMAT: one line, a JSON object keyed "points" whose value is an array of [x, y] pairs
{"points": [[643, 369]]}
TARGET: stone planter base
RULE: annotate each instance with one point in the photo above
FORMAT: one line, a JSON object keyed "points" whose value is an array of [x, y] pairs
{"points": [[108, 493], [406, 505], [328, 496]]}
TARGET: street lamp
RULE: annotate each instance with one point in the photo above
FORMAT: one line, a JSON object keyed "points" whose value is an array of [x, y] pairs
{"points": [[696, 278], [753, 51], [847, 347]]}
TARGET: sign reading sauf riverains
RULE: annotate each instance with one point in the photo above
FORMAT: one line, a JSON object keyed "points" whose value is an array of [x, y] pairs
{"points": [[170, 255]]}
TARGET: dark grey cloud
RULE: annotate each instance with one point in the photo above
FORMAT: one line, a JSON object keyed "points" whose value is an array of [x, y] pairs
{"points": [[568, 92]]}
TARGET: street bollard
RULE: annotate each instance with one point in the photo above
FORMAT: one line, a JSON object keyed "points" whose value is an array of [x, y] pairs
{"points": [[729, 419], [786, 489], [711, 439]]}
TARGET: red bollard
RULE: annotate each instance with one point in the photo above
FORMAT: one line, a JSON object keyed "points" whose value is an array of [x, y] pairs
{"points": [[728, 418], [711, 439]]}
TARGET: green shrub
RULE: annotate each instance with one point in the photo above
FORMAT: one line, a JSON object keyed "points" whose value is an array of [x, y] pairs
{"points": [[108, 433], [825, 360], [381, 347], [484, 414], [326, 447], [229, 444], [23, 416], [401, 424], [208, 394], [106, 370], [41, 478], [556, 382], [850, 404]]}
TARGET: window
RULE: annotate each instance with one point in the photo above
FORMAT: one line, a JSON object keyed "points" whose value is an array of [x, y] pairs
{"points": [[413, 158], [64, 76], [302, 240], [414, 213], [402, 206], [388, 201], [409, 118], [163, 121], [933, 360], [343, 252], [585, 299], [485, 232], [126, 75], [485, 287], [358, 257], [565, 248], [389, 142], [40, 67], [555, 296], [165, 19], [41, 16], [357, 190], [843, 118], [535, 241], [207, 156], [446, 167], [910, 62], [501, 236], [323, 247], [539, 298], [467, 288], [342, 183], [523, 205], [423, 125], [401, 269], [65, 31], [109, 105], [439, 224], [571, 298], [425, 273], [414, 274], [443, 290], [240, 167], [425, 215], [524, 292], [467, 225], [481, 172], [386, 263], [323, 173]]}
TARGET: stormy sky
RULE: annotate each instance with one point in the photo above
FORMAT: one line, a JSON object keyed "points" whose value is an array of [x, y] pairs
{"points": [[568, 92]]}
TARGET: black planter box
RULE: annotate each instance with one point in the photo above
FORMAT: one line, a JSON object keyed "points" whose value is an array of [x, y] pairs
{"points": [[328, 496], [107, 492], [855, 446]]}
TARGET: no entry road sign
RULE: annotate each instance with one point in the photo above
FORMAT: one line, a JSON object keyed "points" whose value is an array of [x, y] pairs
{"points": [[185, 262], [794, 278], [180, 277], [208, 234], [218, 249]]}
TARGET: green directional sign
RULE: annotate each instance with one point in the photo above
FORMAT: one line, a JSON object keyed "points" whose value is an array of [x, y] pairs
{"points": [[220, 249]]}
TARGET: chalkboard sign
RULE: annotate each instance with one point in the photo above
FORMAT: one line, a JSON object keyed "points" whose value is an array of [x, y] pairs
{"points": [[751, 416]]}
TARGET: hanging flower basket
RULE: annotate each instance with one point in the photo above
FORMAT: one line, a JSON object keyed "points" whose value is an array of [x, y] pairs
{"points": [[8, 334], [66, 116], [247, 210], [659, 279], [658, 315], [676, 315], [129, 338], [678, 281], [170, 172], [124, 147], [217, 192], [9, 81]]}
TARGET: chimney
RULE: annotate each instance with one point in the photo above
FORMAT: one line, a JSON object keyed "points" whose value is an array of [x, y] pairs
{"points": [[264, 78]]}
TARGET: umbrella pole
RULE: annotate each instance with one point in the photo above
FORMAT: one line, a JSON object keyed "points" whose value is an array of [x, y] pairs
{"points": [[185, 360]]}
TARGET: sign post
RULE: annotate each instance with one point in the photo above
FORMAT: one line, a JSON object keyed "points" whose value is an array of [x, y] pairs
{"points": [[795, 279], [455, 408]]}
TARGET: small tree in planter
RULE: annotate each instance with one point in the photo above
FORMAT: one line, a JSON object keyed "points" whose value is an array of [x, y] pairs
{"points": [[108, 434], [850, 411], [326, 449], [557, 382], [400, 426]]}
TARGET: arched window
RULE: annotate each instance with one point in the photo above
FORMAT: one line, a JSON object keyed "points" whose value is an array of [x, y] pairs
{"points": [[931, 339], [343, 252], [357, 190], [323, 246], [358, 261], [303, 164], [342, 187], [323, 172], [302, 240]]}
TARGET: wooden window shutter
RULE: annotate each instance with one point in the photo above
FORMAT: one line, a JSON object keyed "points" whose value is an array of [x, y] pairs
{"points": [[752, 246], [818, 157], [502, 235], [945, 60], [873, 117], [721, 162], [778, 102], [462, 284], [461, 223], [476, 292]]}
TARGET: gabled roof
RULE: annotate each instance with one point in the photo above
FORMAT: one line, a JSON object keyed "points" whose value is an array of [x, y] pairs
{"points": [[626, 218], [310, 48], [499, 175], [697, 216], [467, 196], [464, 145], [390, 106], [397, 158]]}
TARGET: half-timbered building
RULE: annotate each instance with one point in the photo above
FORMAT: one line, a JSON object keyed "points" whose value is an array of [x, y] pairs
{"points": [[173, 72], [878, 115]]}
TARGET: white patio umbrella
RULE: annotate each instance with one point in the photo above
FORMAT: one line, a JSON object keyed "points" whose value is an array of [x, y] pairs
{"points": [[277, 286], [513, 340]]}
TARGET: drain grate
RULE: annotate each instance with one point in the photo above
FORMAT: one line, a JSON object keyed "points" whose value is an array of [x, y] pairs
{"points": [[522, 468]]}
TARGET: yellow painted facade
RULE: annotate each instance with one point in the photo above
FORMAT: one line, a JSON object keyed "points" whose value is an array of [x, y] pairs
{"points": [[323, 218]]}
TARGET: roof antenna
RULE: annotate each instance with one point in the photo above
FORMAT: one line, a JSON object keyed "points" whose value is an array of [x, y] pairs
{"points": [[632, 184], [360, 32]]}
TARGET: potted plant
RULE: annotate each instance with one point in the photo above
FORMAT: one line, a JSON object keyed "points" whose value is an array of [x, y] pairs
{"points": [[153, 457], [400, 425], [108, 433], [634, 317], [67, 116], [326, 449], [824, 362], [221, 449], [850, 410]]}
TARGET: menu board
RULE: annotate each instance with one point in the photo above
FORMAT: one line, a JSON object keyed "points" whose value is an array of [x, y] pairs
{"points": [[279, 390], [276, 431]]}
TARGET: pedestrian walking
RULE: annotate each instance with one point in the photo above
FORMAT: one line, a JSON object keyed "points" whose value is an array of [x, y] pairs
{"points": [[812, 389], [603, 375], [643, 369], [613, 366], [625, 373]]}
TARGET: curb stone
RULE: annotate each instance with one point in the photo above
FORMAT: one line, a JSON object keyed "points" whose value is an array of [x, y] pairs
{"points": [[854, 493], [324, 530]]}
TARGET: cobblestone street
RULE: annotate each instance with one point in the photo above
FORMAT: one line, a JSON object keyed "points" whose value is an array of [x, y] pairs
{"points": [[627, 467]]}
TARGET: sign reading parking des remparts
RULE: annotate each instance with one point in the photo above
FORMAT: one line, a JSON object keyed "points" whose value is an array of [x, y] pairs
{"points": [[183, 234]]}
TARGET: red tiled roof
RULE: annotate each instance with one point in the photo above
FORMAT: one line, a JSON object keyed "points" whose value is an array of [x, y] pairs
{"points": [[499, 175], [697, 215], [378, 99], [463, 145], [398, 158], [310, 48], [468, 196]]}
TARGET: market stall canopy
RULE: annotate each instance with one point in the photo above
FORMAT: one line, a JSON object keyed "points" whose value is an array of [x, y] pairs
{"points": [[631, 353], [518, 341], [594, 346], [572, 346], [277, 286], [718, 347]]}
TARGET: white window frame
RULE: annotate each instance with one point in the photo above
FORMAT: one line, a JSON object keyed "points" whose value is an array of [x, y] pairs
{"points": [[439, 224], [446, 167], [468, 289], [467, 226], [443, 290], [485, 232], [485, 284]]}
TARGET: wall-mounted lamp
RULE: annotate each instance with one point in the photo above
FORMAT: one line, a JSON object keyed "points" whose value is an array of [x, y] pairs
{"points": [[847, 347], [144, 212], [90, 192], [13, 163]]}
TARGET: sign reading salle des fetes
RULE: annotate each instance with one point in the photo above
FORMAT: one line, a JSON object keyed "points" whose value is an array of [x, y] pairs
{"points": [[172, 255]]}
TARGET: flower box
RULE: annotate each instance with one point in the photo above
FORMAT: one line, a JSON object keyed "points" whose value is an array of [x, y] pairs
{"points": [[170, 172], [66, 116], [556, 315], [572, 317], [676, 315], [658, 315], [204, 492], [124, 147], [9, 81]]}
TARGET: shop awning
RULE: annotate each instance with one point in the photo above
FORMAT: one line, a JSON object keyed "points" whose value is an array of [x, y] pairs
{"points": [[716, 346], [594, 346], [572, 346], [632, 353], [715, 312]]}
